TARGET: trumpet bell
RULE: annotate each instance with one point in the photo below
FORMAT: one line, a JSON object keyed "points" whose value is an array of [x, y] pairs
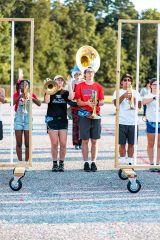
{"points": [[50, 87], [87, 56]]}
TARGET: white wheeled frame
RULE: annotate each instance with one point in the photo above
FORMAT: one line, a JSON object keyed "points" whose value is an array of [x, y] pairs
{"points": [[127, 171], [19, 168]]}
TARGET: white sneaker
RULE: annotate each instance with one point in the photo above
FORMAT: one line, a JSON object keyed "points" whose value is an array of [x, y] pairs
{"points": [[122, 160], [130, 161]]}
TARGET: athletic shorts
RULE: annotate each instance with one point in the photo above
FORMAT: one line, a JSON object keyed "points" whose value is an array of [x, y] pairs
{"points": [[1, 130], [126, 134], [57, 123], [151, 127], [89, 128]]}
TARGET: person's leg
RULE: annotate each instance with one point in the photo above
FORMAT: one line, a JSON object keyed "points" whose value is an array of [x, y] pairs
{"points": [[53, 135], [158, 150], [122, 150], [94, 149], [63, 143], [26, 142], [18, 134], [130, 150], [150, 146], [85, 149]]}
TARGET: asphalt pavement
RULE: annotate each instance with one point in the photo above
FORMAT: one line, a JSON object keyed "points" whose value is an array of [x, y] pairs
{"points": [[73, 204]]}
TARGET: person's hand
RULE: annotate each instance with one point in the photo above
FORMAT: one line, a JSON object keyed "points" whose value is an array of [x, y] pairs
{"points": [[128, 95], [69, 80], [91, 103]]}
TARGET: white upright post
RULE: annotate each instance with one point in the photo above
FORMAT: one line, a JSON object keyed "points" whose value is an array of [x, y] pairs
{"points": [[12, 84], [157, 94], [137, 89]]}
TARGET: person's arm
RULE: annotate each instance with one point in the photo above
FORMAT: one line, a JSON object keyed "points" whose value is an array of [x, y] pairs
{"points": [[125, 95], [36, 100], [2, 95], [146, 101], [16, 97], [70, 89], [46, 98]]}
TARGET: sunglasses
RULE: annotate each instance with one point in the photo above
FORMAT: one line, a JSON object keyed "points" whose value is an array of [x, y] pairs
{"points": [[127, 79]]}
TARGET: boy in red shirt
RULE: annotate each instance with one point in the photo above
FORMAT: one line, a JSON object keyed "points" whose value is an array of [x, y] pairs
{"points": [[90, 125]]}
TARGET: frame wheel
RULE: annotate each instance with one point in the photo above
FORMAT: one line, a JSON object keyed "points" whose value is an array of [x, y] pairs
{"points": [[134, 187], [122, 175], [15, 185]]}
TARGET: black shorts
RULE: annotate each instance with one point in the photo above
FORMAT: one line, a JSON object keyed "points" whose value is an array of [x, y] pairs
{"points": [[89, 128], [126, 134], [1, 130], [57, 124]]}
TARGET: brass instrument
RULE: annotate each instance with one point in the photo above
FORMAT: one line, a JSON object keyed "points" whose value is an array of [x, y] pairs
{"points": [[94, 100], [25, 98], [131, 101], [87, 56], [50, 86]]}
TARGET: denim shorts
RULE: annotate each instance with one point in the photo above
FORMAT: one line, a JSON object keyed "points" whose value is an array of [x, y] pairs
{"points": [[21, 121], [151, 127], [1, 130]]}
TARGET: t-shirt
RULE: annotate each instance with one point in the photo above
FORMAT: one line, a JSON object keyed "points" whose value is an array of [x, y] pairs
{"points": [[85, 92], [144, 91], [15, 95], [151, 109], [126, 115], [57, 107], [0, 111]]}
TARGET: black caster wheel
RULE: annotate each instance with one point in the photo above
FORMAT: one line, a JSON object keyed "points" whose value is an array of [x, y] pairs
{"points": [[122, 175], [15, 185], [134, 187]]}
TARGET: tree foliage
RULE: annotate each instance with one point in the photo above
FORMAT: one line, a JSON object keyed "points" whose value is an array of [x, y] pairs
{"points": [[62, 28]]}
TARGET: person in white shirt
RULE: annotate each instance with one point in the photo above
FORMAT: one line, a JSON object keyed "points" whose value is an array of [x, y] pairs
{"points": [[127, 118], [2, 100], [150, 101], [145, 91]]}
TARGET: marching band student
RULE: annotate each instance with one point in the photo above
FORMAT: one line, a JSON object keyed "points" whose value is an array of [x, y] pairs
{"points": [[77, 142], [21, 104], [145, 91], [57, 122], [127, 112], [2, 100], [150, 101], [90, 127]]}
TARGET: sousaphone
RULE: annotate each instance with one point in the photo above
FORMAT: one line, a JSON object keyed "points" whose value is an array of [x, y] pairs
{"points": [[87, 56]]}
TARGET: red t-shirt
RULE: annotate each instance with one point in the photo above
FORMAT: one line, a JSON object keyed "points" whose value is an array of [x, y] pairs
{"points": [[85, 91], [15, 95]]}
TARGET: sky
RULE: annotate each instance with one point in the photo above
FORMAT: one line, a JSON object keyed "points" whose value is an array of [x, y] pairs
{"points": [[145, 4]]}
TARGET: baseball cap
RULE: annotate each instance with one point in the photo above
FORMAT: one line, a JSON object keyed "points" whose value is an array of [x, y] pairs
{"points": [[58, 76]]}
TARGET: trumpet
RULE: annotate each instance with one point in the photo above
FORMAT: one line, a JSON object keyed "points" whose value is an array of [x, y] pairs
{"points": [[94, 100], [25, 99], [50, 86], [131, 101]]}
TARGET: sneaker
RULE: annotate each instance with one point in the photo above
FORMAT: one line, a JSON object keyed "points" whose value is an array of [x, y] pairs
{"points": [[61, 166], [86, 167], [55, 166], [93, 167], [80, 146], [76, 147]]}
